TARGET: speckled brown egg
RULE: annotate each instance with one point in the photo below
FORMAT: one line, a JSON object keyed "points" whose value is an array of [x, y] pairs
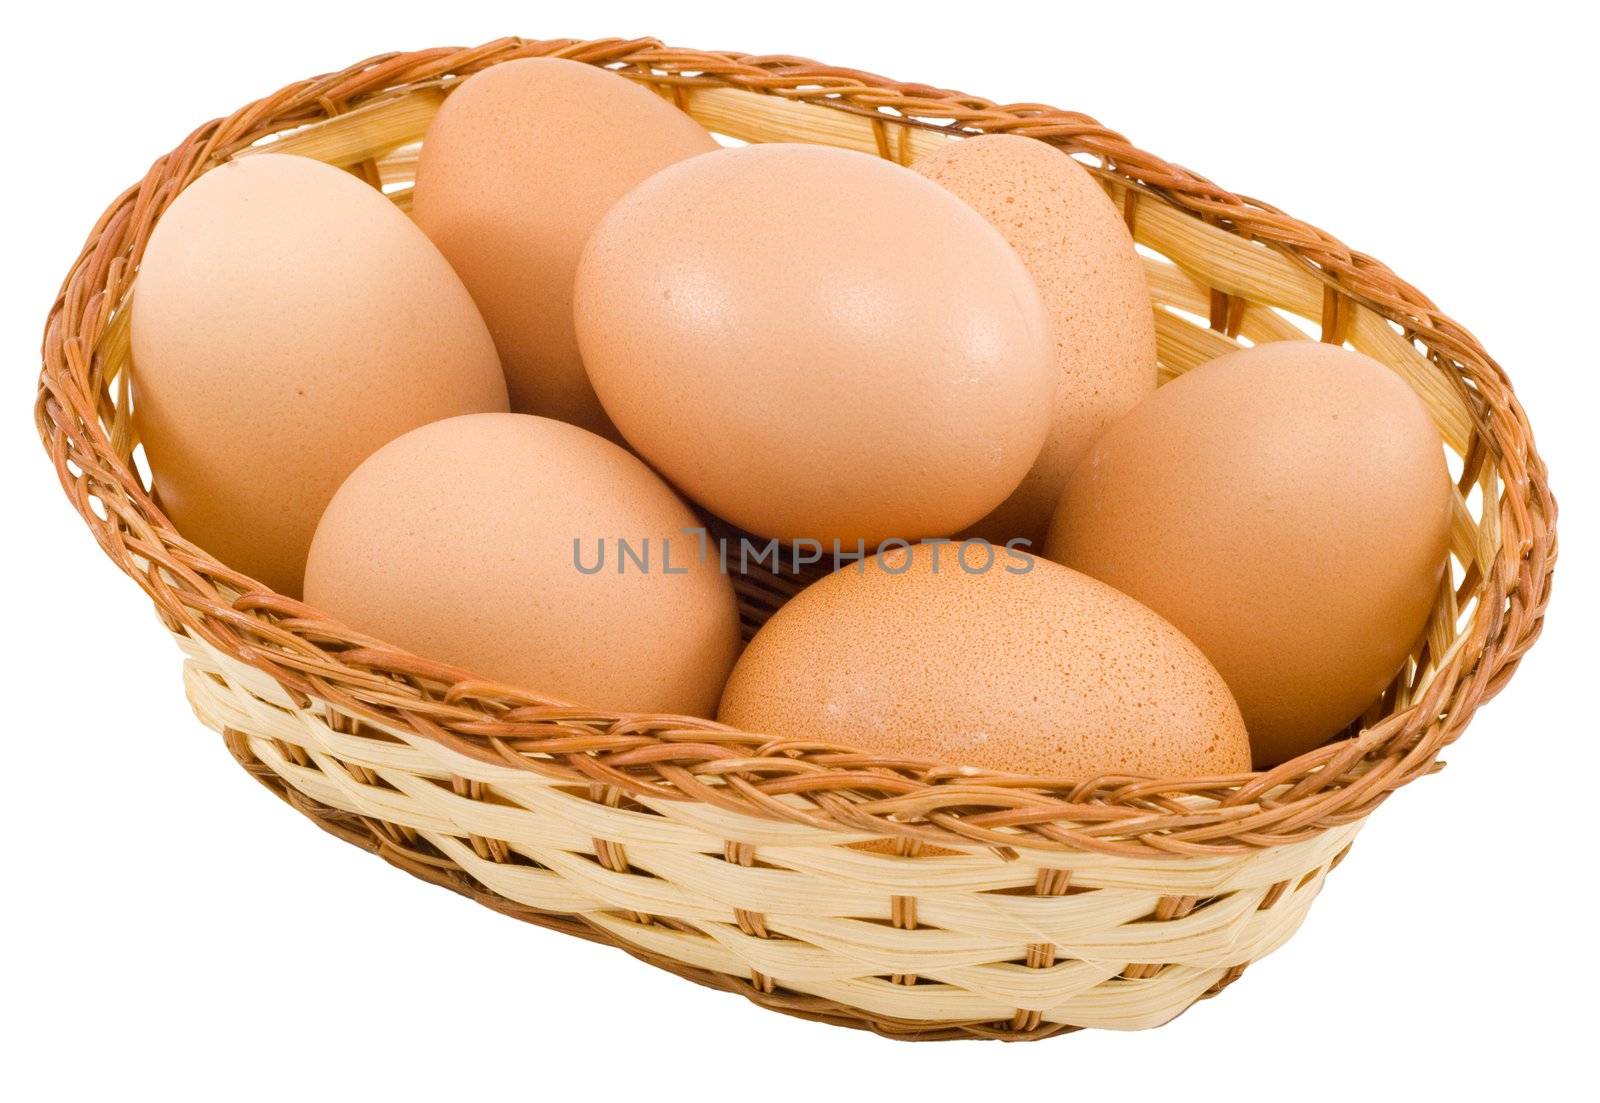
{"points": [[534, 553], [287, 321], [517, 167], [1288, 508], [1077, 248], [921, 654], [817, 344]]}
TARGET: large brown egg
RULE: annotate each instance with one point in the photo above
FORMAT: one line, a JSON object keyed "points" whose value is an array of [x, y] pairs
{"points": [[534, 553], [520, 163], [938, 654], [1288, 508], [287, 321], [1075, 245], [817, 344]]}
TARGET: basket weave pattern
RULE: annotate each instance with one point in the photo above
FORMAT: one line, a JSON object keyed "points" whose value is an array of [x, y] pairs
{"points": [[981, 905]]}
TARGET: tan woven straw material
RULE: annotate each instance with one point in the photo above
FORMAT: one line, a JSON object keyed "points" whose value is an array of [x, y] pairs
{"points": [[986, 906]]}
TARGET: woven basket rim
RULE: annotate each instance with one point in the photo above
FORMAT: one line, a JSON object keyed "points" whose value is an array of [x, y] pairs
{"points": [[833, 788]]}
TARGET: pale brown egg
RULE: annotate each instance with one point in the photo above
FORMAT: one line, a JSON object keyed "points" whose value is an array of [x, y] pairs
{"points": [[1288, 508], [919, 654], [520, 163], [1076, 246], [287, 321], [533, 553], [817, 344]]}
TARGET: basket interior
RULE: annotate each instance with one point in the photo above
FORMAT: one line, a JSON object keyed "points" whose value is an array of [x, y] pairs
{"points": [[1218, 281], [1275, 300]]}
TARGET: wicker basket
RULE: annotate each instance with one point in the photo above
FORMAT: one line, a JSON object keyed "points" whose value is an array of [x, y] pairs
{"points": [[981, 906]]}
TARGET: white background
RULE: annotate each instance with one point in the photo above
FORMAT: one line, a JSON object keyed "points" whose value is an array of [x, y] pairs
{"points": [[171, 926]]}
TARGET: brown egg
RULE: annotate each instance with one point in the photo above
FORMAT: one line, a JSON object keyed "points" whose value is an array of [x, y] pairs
{"points": [[1288, 508], [921, 654], [1074, 243], [516, 169], [495, 542], [817, 344], [287, 321]]}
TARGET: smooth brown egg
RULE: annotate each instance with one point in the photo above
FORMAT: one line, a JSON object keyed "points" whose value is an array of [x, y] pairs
{"points": [[287, 321], [921, 655], [1288, 508], [533, 553], [817, 344], [1076, 246], [517, 167]]}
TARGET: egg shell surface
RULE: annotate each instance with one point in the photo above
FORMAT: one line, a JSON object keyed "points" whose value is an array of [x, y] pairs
{"points": [[287, 321], [1288, 508], [817, 344], [1074, 243], [1045, 672], [493, 542], [516, 168]]}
